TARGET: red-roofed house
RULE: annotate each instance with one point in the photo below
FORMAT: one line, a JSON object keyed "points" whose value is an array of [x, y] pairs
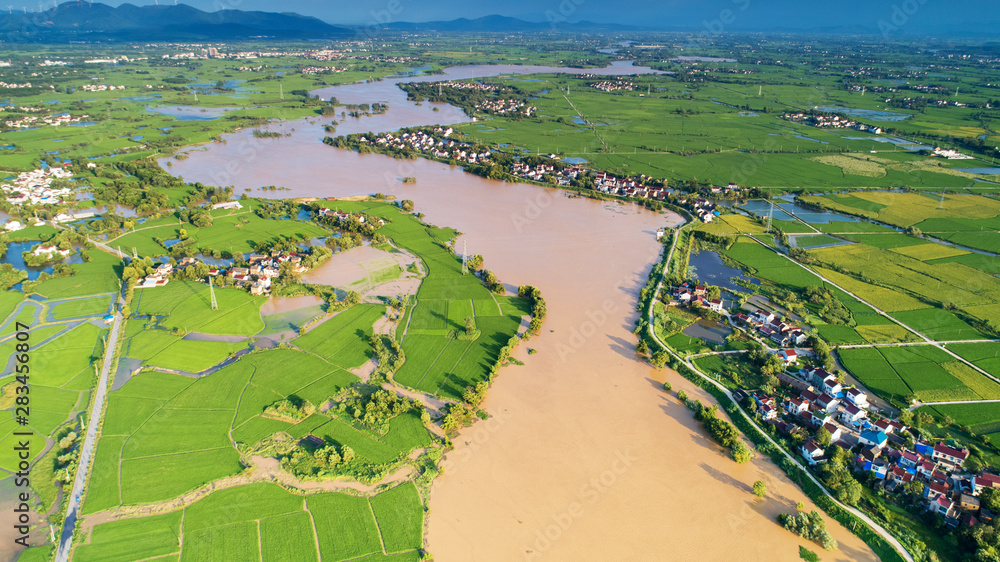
{"points": [[812, 452], [949, 455], [984, 480]]}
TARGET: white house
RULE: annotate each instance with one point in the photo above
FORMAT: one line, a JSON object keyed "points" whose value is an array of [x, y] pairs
{"points": [[831, 386], [858, 397], [228, 205], [812, 452], [789, 356], [851, 414]]}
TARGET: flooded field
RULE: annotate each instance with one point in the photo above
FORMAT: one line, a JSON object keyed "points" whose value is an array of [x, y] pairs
{"points": [[584, 457]]}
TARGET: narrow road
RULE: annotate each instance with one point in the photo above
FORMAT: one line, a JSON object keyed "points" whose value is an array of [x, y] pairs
{"points": [[873, 525], [919, 404], [707, 353], [926, 339], [90, 442], [904, 344]]}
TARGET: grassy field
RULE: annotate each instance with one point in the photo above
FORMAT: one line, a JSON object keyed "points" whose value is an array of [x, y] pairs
{"points": [[162, 349], [344, 339], [98, 276], [79, 308], [187, 307], [436, 362], [265, 522], [925, 372], [237, 232]]}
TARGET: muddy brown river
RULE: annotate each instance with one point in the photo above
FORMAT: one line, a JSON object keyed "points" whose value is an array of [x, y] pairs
{"points": [[584, 457]]}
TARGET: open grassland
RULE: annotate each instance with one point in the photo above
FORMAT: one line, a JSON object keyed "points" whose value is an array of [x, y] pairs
{"points": [[187, 306], [679, 130], [61, 378], [436, 361], [80, 308], [98, 276], [265, 522], [986, 356], [237, 232], [924, 372], [160, 348], [983, 419], [949, 283], [152, 415], [344, 339], [968, 220]]}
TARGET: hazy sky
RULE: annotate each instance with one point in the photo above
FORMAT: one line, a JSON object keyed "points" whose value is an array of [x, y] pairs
{"points": [[896, 16]]}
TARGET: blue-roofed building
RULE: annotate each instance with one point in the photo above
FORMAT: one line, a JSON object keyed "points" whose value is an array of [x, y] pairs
{"points": [[874, 438]]}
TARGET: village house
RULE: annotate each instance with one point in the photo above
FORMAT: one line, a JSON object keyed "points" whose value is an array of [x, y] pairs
{"points": [[953, 458], [812, 452]]}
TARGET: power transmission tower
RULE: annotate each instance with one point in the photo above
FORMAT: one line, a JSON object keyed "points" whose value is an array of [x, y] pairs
{"points": [[465, 258], [211, 292], [135, 254], [281, 92], [770, 215]]}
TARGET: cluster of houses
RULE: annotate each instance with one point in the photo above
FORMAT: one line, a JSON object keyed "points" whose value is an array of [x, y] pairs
{"points": [[14, 85], [21, 108], [950, 154], [504, 106], [262, 269], [691, 294], [701, 207], [878, 446], [320, 69], [613, 85], [469, 86], [770, 327], [343, 217], [53, 120], [35, 187], [627, 187], [831, 121], [101, 87], [439, 148]]}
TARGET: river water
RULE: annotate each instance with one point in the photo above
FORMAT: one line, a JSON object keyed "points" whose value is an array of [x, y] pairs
{"points": [[584, 457]]}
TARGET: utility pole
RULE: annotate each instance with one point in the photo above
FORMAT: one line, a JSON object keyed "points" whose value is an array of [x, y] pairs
{"points": [[211, 291]]}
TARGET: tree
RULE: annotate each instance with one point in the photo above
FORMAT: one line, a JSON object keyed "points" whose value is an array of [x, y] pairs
{"points": [[759, 489], [741, 453], [989, 498], [659, 359], [476, 262], [642, 347], [470, 326], [823, 437], [667, 386], [407, 205], [682, 396], [849, 492], [347, 454]]}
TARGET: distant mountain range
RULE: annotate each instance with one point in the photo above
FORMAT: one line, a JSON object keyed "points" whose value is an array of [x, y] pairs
{"points": [[83, 21], [79, 20]]}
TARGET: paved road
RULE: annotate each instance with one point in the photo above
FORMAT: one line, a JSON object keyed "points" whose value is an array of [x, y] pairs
{"points": [[90, 442], [926, 339], [903, 344], [919, 404], [874, 526]]}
